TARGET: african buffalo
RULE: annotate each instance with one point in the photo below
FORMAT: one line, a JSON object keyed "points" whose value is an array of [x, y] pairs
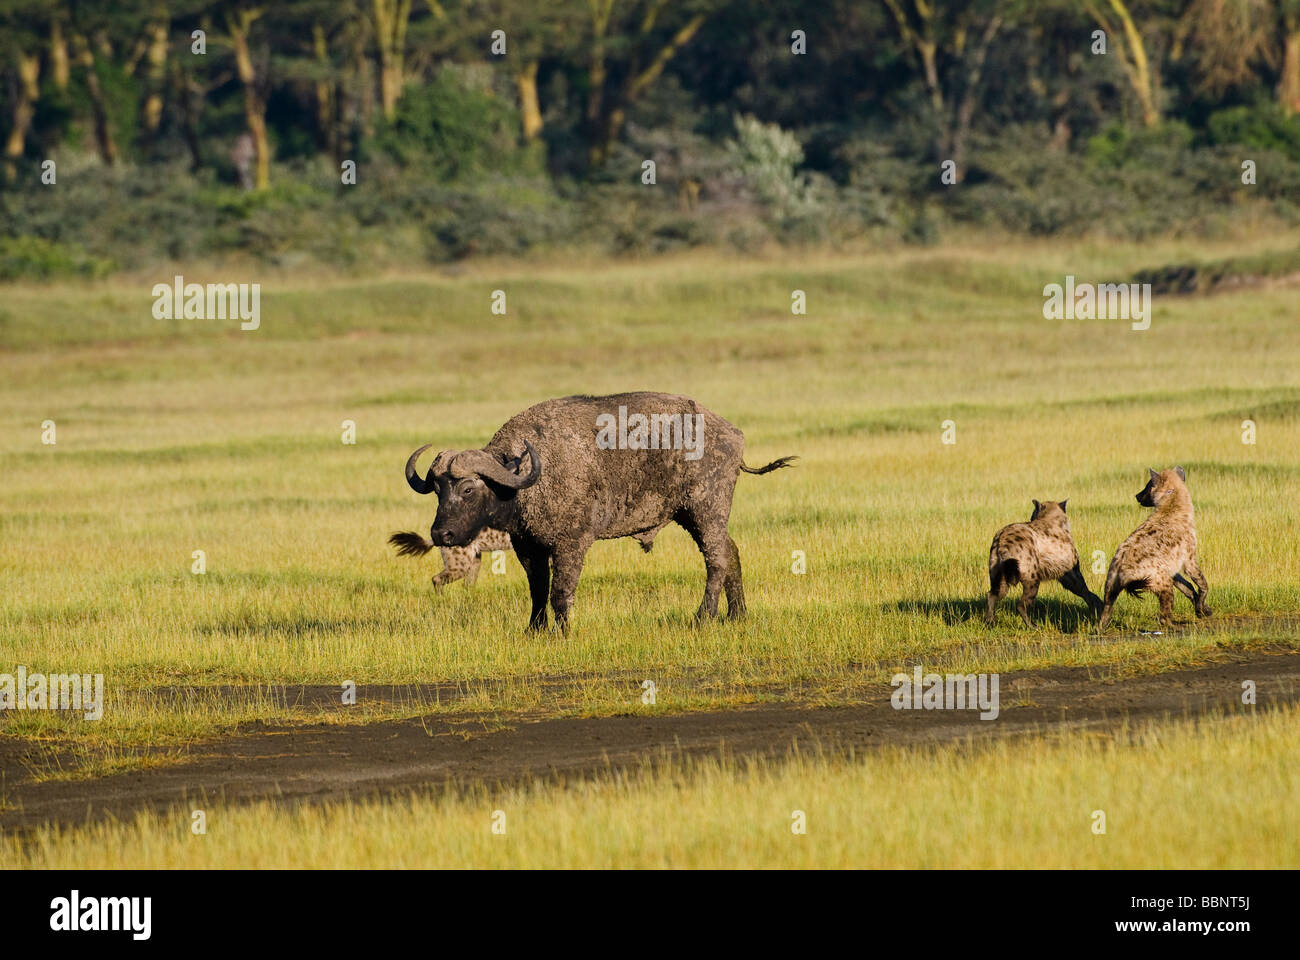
{"points": [[568, 472]]}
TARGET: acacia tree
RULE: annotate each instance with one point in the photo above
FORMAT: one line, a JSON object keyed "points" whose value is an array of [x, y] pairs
{"points": [[1123, 34], [391, 17], [628, 53], [533, 34], [950, 41], [239, 25], [156, 69], [22, 58], [1288, 87]]}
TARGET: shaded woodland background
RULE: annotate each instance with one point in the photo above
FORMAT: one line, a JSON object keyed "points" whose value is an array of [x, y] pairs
{"points": [[164, 154]]}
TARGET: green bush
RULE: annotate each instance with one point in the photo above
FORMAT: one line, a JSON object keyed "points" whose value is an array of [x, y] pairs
{"points": [[31, 258], [1263, 126], [456, 126]]}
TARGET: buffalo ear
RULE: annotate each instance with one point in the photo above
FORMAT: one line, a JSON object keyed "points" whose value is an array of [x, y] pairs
{"points": [[1182, 474], [1154, 475]]}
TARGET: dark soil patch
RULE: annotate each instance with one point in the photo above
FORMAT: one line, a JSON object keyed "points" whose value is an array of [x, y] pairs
{"points": [[336, 762]]}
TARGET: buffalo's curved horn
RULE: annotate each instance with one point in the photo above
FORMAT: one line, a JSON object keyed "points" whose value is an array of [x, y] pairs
{"points": [[418, 484], [490, 468]]}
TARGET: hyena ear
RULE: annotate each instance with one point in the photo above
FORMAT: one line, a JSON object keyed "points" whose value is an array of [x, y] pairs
{"points": [[1036, 506], [1063, 503], [1154, 475], [1182, 474]]}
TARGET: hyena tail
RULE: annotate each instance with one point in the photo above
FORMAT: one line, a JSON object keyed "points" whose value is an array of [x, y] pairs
{"points": [[1135, 587], [1004, 571], [410, 544], [774, 465]]}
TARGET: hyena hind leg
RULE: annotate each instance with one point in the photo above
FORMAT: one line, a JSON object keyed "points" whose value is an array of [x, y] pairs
{"points": [[1027, 599], [1074, 582], [1113, 589], [1164, 589], [997, 590], [1193, 570]]}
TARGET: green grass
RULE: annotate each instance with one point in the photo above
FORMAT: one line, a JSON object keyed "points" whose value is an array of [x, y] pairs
{"points": [[1214, 794], [176, 436]]}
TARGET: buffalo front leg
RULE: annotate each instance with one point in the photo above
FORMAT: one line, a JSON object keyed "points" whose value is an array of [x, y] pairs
{"points": [[567, 567], [536, 562]]}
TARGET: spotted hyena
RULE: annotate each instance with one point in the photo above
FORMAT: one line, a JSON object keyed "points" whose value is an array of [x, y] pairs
{"points": [[1029, 553], [1157, 554], [458, 562]]}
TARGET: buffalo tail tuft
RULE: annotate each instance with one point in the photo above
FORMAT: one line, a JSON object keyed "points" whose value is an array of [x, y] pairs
{"points": [[774, 465]]}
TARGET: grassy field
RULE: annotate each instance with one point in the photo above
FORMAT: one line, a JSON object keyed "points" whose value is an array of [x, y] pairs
{"points": [[177, 436], [1218, 794]]}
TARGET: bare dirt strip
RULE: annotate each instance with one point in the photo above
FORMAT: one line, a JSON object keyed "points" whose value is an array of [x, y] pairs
{"points": [[335, 762]]}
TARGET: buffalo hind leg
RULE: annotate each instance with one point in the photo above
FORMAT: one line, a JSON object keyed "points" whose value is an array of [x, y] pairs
{"points": [[734, 585], [536, 562], [716, 547]]}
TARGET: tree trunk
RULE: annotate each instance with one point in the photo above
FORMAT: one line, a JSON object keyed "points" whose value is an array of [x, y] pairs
{"points": [[966, 111], [29, 71], [927, 50], [1288, 88], [600, 10], [59, 70], [254, 109], [325, 126], [391, 17], [530, 110], [608, 129], [1135, 65], [191, 103], [151, 116], [98, 106]]}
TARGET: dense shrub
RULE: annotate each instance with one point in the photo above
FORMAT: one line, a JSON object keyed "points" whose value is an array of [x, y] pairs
{"points": [[456, 127], [31, 258], [1263, 126], [447, 181]]}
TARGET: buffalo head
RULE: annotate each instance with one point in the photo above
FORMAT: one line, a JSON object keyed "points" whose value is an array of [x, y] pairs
{"points": [[475, 488]]}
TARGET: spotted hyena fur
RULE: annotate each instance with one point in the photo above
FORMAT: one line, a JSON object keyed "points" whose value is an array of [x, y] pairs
{"points": [[458, 562], [1161, 550], [1029, 553]]}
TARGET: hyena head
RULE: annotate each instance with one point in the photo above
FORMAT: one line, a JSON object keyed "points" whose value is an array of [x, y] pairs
{"points": [[1161, 486], [1049, 510]]}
